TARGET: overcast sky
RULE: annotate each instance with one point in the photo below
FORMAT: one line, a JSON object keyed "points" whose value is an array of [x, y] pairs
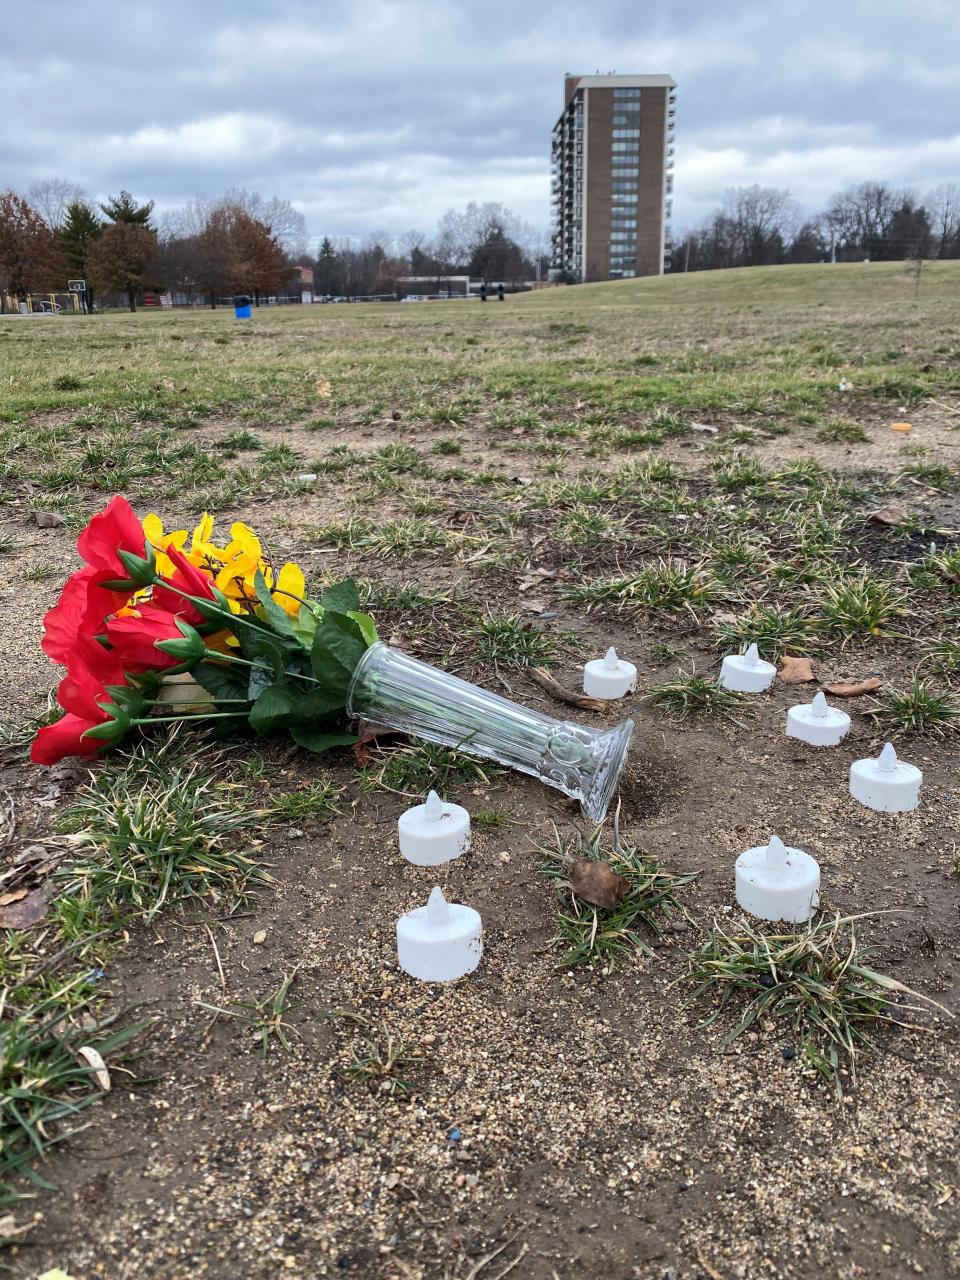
{"points": [[380, 114]]}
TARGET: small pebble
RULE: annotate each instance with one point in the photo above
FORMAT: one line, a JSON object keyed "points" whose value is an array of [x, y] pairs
{"points": [[259, 937]]}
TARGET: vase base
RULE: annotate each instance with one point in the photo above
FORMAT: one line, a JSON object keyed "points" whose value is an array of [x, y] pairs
{"points": [[596, 801]]}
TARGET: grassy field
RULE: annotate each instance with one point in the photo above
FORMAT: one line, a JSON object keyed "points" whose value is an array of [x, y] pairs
{"points": [[677, 466]]}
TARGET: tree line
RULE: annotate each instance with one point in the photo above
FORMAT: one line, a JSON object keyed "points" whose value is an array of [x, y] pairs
{"points": [[230, 245], [239, 243], [758, 226], [484, 241]]}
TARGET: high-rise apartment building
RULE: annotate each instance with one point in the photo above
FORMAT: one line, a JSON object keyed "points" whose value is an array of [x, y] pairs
{"points": [[613, 177]]}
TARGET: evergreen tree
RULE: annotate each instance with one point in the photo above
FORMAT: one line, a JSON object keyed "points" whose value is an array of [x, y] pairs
{"points": [[80, 228], [123, 208], [327, 267]]}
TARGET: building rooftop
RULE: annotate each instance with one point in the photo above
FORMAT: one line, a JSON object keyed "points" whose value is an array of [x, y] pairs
{"points": [[571, 83]]}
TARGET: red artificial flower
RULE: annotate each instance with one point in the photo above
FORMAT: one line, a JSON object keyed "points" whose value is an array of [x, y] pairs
{"points": [[115, 528], [132, 638], [83, 607], [84, 602], [188, 578], [79, 693]]}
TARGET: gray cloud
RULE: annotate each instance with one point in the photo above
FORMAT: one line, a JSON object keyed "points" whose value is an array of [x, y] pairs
{"points": [[380, 114]]}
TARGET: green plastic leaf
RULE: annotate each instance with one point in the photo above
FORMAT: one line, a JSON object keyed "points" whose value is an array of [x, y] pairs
{"points": [[258, 644], [305, 625], [342, 598], [260, 679], [272, 709], [367, 627], [337, 648], [277, 618], [221, 681], [318, 740], [318, 705]]}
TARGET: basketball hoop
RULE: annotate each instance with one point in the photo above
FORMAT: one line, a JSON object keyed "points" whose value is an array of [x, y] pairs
{"points": [[77, 286]]}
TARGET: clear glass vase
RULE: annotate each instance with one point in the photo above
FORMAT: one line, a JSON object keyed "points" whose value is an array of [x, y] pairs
{"points": [[398, 692]]}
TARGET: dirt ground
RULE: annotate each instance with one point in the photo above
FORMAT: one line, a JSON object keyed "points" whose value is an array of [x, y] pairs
{"points": [[560, 1124]]}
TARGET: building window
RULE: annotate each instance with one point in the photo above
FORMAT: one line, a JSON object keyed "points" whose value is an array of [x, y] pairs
{"points": [[616, 172], [633, 148], [626, 93], [626, 133], [624, 197]]}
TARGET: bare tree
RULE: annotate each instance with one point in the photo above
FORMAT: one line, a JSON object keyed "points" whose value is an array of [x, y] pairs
{"points": [[285, 223], [943, 209], [860, 217], [51, 198], [761, 220]]}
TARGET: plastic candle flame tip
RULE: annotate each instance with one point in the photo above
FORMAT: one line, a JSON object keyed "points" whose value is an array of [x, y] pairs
{"points": [[611, 661], [433, 808], [438, 912], [888, 758], [752, 656], [819, 705], [776, 852]]}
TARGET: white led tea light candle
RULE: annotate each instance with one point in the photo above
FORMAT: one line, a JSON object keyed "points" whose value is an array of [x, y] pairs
{"points": [[886, 784], [609, 677], [746, 672], [435, 832], [441, 941], [775, 882], [817, 723]]}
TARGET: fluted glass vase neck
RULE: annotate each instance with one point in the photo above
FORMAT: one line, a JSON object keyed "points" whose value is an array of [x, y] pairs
{"points": [[396, 691]]}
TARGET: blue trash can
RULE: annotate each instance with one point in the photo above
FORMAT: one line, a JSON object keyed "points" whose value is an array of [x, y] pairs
{"points": [[241, 307]]}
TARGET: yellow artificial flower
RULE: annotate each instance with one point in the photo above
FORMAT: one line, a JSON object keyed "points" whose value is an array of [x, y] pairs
{"points": [[236, 577], [289, 589], [201, 548], [153, 529]]}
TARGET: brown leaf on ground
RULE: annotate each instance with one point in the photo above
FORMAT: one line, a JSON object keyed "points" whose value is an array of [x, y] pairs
{"points": [[7, 898], [597, 883], [22, 914], [556, 690], [893, 514], [796, 670], [853, 690], [371, 733]]}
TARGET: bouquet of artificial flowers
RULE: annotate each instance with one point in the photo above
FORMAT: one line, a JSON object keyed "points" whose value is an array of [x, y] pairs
{"points": [[149, 604]]}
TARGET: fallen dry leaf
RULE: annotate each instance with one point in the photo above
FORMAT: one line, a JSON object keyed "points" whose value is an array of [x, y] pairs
{"points": [[853, 690], [99, 1067], [893, 514], [371, 733], [597, 883], [901, 426], [7, 898], [556, 690], [796, 670], [22, 914]]}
